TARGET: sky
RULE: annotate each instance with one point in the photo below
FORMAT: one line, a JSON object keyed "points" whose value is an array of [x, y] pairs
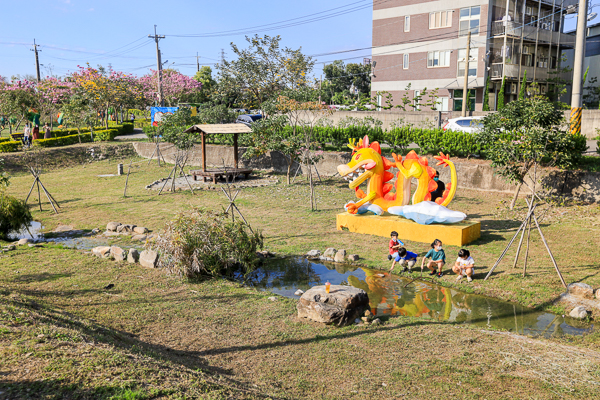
{"points": [[73, 32]]}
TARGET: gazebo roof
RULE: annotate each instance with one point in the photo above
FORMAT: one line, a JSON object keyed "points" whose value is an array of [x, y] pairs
{"points": [[220, 129]]}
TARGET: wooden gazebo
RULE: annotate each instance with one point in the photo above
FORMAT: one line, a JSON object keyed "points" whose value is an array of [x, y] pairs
{"points": [[220, 129]]}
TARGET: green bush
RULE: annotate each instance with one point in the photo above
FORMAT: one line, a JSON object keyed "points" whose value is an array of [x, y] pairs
{"points": [[201, 243], [126, 128], [105, 135], [457, 144], [4, 139], [14, 215], [10, 146], [63, 141]]}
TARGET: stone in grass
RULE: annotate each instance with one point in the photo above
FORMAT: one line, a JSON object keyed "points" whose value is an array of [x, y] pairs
{"points": [[581, 290], [273, 298], [597, 291], [23, 241], [133, 256], [330, 252], [340, 256], [148, 258], [11, 247], [376, 321], [128, 228], [140, 238], [353, 257], [578, 312], [299, 292], [101, 251], [341, 306], [118, 253], [313, 254], [140, 230], [112, 226]]}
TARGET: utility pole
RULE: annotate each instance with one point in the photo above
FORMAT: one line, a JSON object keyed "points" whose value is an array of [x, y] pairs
{"points": [[37, 61], [159, 65], [198, 61], [466, 84], [577, 92]]}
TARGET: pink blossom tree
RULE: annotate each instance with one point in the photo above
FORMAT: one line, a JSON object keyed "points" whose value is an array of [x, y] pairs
{"points": [[16, 99], [176, 87]]}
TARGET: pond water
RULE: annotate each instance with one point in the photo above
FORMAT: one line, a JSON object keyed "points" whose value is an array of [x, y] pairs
{"points": [[72, 239], [390, 296]]}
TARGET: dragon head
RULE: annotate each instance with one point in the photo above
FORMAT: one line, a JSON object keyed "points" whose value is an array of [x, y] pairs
{"points": [[366, 161]]}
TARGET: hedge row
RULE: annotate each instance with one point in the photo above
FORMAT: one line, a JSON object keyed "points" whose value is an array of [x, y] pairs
{"points": [[10, 146], [122, 129], [63, 140], [5, 139]]}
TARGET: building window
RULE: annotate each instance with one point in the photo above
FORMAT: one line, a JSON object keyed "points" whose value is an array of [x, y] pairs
{"points": [[469, 21], [405, 61], [462, 53], [438, 59], [407, 23], [458, 95], [442, 104], [440, 19]]}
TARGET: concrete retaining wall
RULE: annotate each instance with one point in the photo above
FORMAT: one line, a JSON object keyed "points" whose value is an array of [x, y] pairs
{"points": [[590, 119], [472, 174]]}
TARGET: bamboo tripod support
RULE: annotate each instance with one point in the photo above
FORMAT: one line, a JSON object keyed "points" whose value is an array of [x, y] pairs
{"points": [[530, 219], [157, 152], [37, 181], [180, 161]]}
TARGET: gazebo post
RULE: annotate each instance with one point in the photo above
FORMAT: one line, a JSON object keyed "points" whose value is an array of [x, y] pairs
{"points": [[203, 151], [235, 150]]}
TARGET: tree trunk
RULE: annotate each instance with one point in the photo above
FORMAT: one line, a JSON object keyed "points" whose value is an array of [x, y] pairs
{"points": [[289, 170], [516, 196], [79, 134]]}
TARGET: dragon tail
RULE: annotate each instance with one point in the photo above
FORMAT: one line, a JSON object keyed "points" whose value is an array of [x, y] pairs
{"points": [[451, 187]]}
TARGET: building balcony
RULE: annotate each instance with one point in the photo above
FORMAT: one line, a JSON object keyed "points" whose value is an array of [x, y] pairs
{"points": [[512, 72], [531, 33]]}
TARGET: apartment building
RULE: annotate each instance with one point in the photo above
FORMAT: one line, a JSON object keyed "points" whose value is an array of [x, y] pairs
{"points": [[423, 43], [591, 63]]}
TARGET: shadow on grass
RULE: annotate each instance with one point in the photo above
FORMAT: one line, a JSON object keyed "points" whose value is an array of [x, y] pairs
{"points": [[44, 276]]}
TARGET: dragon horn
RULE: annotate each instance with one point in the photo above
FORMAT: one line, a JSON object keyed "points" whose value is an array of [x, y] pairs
{"points": [[365, 142]]}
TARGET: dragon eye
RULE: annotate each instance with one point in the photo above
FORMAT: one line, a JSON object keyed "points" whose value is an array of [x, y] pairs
{"points": [[357, 157]]}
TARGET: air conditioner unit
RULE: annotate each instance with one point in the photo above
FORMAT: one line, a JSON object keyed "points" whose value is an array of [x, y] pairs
{"points": [[527, 49], [529, 10], [513, 88], [543, 89]]}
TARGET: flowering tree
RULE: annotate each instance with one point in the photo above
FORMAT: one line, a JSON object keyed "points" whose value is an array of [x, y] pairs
{"points": [[16, 99], [51, 93], [176, 87]]}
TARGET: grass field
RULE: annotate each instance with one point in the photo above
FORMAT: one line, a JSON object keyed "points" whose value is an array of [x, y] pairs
{"points": [[156, 336]]}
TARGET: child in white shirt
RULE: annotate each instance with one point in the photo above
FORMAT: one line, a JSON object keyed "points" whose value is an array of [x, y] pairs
{"points": [[464, 265]]}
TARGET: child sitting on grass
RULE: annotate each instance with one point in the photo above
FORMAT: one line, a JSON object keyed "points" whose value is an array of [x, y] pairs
{"points": [[464, 265], [405, 258], [438, 258]]}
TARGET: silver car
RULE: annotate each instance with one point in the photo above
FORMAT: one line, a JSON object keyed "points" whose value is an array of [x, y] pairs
{"points": [[464, 124]]}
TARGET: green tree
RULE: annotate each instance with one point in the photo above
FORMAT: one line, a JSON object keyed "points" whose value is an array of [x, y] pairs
{"points": [[204, 76], [523, 86], [486, 95], [526, 133], [263, 69], [500, 105], [339, 78]]}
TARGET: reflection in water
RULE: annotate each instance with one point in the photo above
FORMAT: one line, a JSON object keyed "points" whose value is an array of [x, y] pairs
{"points": [[390, 296]]}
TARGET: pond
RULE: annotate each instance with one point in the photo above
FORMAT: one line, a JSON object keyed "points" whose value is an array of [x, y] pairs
{"points": [[390, 296]]}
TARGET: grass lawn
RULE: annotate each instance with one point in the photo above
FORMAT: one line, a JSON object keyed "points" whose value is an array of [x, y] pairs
{"points": [[156, 336]]}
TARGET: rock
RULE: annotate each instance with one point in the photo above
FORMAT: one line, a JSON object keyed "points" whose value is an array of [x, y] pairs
{"points": [[597, 291], [118, 253], [580, 289], [340, 256], [63, 228], [330, 252], [341, 306], [273, 298], [95, 231], [112, 226], [368, 313], [125, 228], [133, 256], [101, 251], [23, 241], [353, 257], [323, 258], [578, 312], [140, 230], [148, 258], [376, 321], [365, 319], [299, 292], [140, 238], [11, 247], [313, 254], [34, 245]]}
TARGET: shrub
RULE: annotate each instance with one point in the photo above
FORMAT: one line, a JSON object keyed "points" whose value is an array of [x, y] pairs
{"points": [[201, 243], [126, 128], [4, 139], [105, 135], [10, 146], [14, 215], [63, 141]]}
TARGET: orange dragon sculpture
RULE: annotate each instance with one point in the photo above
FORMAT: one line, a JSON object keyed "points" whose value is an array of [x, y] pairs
{"points": [[367, 165]]}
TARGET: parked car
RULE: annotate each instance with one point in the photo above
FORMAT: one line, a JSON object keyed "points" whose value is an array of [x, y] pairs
{"points": [[248, 119], [464, 124]]}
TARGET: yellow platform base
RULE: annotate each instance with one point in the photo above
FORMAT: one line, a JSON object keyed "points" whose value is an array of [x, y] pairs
{"points": [[450, 234]]}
